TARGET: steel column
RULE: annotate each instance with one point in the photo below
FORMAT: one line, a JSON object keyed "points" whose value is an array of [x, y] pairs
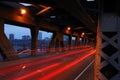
{"points": [[107, 59], [57, 41], [77, 41], [6, 48], [52, 42], [70, 41], [34, 40]]}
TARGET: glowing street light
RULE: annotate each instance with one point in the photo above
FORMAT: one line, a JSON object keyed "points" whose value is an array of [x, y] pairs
{"points": [[82, 35], [68, 28], [23, 11]]}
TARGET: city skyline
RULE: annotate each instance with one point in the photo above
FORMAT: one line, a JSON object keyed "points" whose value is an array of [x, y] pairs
{"points": [[11, 37], [20, 31]]}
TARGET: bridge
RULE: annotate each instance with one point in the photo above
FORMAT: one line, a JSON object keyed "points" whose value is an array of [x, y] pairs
{"points": [[93, 23]]}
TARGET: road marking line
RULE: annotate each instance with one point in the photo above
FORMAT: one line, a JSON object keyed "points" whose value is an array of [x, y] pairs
{"points": [[84, 70]]}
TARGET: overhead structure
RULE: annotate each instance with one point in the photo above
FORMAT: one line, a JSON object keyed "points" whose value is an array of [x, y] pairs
{"points": [[62, 17], [61, 13]]}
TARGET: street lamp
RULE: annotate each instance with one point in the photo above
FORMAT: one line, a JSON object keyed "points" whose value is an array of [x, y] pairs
{"points": [[68, 28], [22, 11], [82, 35]]}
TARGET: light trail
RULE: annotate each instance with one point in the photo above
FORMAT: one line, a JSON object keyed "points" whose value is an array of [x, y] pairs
{"points": [[58, 71], [37, 71], [16, 67]]}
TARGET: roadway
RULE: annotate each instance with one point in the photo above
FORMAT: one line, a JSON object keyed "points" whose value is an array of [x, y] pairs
{"points": [[71, 65]]}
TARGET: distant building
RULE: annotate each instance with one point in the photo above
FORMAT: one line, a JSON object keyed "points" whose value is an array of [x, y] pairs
{"points": [[40, 36], [65, 38], [25, 37], [46, 38], [11, 36]]}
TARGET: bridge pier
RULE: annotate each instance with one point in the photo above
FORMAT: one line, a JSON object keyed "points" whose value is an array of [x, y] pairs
{"points": [[34, 40], [77, 41], [6, 49], [107, 60], [70, 41], [57, 41]]}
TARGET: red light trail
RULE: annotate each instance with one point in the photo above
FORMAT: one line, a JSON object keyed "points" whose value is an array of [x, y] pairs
{"points": [[58, 71], [25, 65], [37, 71]]}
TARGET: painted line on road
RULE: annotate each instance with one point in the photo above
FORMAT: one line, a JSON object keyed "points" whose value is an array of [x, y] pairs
{"points": [[84, 70]]}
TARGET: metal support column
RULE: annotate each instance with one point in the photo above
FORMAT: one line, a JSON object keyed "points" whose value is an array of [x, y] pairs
{"points": [[77, 41], [57, 41], [34, 40], [61, 40], [52, 42], [6, 49], [107, 59], [70, 41]]}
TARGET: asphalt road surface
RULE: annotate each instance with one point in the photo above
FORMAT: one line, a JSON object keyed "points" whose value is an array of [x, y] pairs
{"points": [[72, 65]]}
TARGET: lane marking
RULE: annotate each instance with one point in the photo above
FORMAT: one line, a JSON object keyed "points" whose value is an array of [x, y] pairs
{"points": [[84, 70]]}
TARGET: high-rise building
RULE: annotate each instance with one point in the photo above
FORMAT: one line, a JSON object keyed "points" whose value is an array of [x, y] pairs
{"points": [[65, 37], [25, 37], [11, 36], [40, 36]]}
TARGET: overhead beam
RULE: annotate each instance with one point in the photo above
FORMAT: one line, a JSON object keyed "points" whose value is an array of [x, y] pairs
{"points": [[14, 16], [75, 8]]}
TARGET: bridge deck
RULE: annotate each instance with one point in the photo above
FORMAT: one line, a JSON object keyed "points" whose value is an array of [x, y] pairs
{"points": [[75, 64]]}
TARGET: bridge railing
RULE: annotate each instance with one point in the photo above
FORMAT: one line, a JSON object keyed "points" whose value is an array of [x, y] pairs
{"points": [[45, 51], [52, 50]]}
